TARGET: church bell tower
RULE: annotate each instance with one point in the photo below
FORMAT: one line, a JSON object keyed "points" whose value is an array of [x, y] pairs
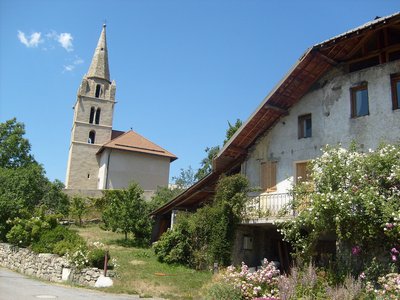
{"points": [[92, 122]]}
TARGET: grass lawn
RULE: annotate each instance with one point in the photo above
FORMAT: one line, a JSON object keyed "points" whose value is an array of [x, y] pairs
{"points": [[140, 273]]}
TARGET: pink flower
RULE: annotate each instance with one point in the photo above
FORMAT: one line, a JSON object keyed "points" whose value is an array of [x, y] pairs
{"points": [[362, 276], [394, 257], [394, 251], [356, 250], [389, 225]]}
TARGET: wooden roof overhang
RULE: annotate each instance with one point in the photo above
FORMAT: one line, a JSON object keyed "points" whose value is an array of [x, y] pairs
{"points": [[316, 61], [193, 197]]}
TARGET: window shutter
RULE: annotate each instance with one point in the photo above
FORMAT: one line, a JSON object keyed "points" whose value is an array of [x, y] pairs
{"points": [[301, 171], [268, 176]]}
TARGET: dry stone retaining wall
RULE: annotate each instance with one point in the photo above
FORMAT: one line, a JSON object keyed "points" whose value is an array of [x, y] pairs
{"points": [[45, 266]]}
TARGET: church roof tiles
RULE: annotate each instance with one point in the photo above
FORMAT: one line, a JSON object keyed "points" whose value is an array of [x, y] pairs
{"points": [[134, 142]]}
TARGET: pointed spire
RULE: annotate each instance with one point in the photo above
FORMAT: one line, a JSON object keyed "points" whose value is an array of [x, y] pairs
{"points": [[99, 66]]}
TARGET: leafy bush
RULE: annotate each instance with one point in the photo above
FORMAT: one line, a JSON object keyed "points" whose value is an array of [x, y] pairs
{"points": [[206, 236], [96, 258], [174, 246], [59, 240], [26, 231]]}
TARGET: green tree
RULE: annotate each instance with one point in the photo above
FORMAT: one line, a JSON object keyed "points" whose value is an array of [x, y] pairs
{"points": [[206, 163], [163, 195], [127, 211], [78, 208], [232, 129], [14, 148], [185, 179], [55, 200], [20, 188]]}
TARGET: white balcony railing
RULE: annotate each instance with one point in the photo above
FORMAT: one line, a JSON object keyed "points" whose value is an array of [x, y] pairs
{"points": [[269, 205]]}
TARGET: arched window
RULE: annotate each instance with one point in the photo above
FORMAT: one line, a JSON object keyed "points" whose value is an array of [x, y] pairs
{"points": [[98, 90], [92, 136], [91, 118], [97, 119]]}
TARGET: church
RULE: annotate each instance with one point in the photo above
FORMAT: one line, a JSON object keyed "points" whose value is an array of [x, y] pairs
{"points": [[101, 157]]}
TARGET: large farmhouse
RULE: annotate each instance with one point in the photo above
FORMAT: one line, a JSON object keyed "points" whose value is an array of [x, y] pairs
{"points": [[103, 158], [342, 90]]}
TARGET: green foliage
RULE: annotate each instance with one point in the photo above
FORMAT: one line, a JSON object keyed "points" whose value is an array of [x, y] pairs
{"points": [[206, 163], [185, 179], [55, 200], [27, 230], [78, 208], [356, 197], [162, 196], [127, 211], [20, 188], [174, 246], [59, 240], [96, 258], [14, 148], [232, 129], [223, 291], [206, 236]]}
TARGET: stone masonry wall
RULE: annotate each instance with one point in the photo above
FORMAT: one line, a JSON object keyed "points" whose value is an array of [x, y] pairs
{"points": [[46, 266]]}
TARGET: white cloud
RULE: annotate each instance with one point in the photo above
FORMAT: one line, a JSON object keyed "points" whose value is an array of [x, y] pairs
{"points": [[65, 40], [32, 41], [78, 61], [69, 68]]}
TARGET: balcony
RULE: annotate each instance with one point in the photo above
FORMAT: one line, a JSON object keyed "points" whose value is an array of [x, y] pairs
{"points": [[266, 208]]}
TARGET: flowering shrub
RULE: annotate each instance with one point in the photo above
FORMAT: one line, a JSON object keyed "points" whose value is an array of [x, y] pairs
{"points": [[262, 283], [356, 197], [79, 258], [389, 287]]}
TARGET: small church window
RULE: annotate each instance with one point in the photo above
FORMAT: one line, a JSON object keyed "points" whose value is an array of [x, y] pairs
{"points": [[91, 118], [92, 136], [98, 111], [98, 90]]}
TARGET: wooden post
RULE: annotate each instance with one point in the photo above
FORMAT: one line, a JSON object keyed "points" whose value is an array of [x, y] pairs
{"points": [[105, 263]]}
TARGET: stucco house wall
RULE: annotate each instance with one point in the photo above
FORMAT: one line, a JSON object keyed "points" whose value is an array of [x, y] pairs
{"points": [[330, 108]]}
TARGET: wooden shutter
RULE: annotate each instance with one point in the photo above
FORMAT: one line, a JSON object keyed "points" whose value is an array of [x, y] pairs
{"points": [[268, 176], [301, 171]]}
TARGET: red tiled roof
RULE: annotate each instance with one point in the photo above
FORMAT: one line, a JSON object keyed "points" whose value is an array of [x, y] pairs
{"points": [[134, 142]]}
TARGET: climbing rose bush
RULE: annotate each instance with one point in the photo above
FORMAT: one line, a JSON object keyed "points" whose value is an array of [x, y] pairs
{"points": [[356, 197], [389, 287], [262, 283]]}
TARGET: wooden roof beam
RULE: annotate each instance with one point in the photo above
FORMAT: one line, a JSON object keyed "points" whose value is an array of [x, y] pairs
{"points": [[326, 58], [276, 108]]}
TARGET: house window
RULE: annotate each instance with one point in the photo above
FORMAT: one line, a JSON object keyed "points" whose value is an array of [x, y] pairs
{"points": [[268, 176], [395, 81], [359, 101], [98, 90], [97, 120], [305, 126], [92, 136], [92, 110], [302, 172]]}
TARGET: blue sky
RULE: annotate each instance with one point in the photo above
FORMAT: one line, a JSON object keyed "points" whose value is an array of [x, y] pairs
{"points": [[183, 68]]}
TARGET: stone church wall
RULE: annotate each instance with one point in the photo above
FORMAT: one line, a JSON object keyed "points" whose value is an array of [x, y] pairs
{"points": [[45, 266]]}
